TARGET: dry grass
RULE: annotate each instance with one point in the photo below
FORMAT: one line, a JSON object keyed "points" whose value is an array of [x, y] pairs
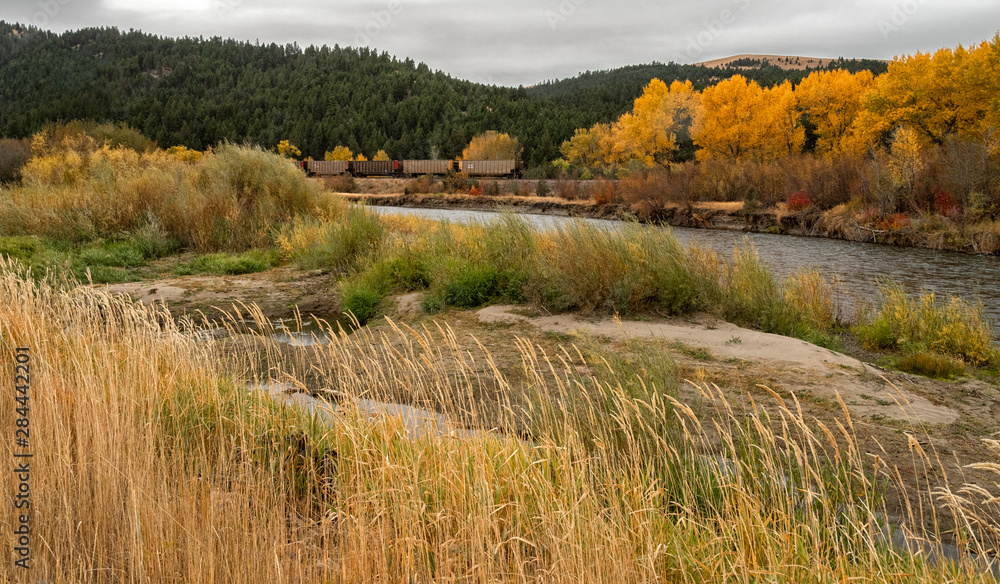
{"points": [[231, 199], [152, 463]]}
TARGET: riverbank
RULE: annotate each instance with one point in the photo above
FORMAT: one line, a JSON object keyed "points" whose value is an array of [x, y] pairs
{"points": [[934, 232]]}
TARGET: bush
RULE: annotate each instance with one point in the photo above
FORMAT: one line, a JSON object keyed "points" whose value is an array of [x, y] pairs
{"points": [[542, 189], [916, 324], [341, 183], [423, 185], [361, 300], [231, 200], [472, 285], [797, 202]]}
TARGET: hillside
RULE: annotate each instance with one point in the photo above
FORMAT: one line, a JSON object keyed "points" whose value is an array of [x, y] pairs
{"points": [[197, 92], [786, 62]]}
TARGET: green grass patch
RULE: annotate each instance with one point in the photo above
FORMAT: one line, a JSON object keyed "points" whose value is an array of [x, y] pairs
{"points": [[931, 365], [106, 262], [361, 300], [230, 264]]}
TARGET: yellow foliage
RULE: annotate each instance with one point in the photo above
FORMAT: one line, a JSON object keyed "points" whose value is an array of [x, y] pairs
{"points": [[587, 147], [360, 158], [339, 153], [905, 162], [650, 132], [288, 150], [832, 100], [381, 155], [952, 91], [492, 146], [184, 154], [741, 120]]}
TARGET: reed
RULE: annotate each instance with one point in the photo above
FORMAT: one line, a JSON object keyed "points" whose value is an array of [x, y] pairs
{"points": [[154, 462]]}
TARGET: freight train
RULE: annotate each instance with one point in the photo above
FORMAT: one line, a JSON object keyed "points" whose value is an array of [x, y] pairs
{"points": [[412, 168]]}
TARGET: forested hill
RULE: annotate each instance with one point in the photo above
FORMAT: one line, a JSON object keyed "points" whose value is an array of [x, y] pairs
{"points": [[610, 93], [197, 92]]}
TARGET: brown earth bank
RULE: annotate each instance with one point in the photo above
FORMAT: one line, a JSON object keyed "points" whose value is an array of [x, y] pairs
{"points": [[836, 223]]}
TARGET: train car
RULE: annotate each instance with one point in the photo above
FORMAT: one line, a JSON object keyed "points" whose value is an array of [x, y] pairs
{"points": [[327, 167], [375, 167], [497, 168], [422, 167]]}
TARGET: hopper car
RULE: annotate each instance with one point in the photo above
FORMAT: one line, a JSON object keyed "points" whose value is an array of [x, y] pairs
{"points": [[413, 168]]}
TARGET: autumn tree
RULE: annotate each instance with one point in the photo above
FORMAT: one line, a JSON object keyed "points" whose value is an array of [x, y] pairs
{"points": [[831, 101], [587, 148], [741, 120], [492, 146], [949, 92], [288, 150], [650, 132], [339, 153], [381, 155]]}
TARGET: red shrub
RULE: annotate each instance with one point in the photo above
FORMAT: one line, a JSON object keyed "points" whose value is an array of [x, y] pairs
{"points": [[476, 192], [797, 202], [894, 222], [944, 204]]}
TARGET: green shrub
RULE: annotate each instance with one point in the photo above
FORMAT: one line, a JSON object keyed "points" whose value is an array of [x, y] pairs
{"points": [[472, 286], [20, 247], [361, 300], [954, 327]]}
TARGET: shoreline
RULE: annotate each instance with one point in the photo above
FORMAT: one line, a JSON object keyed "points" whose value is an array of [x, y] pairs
{"points": [[707, 215]]}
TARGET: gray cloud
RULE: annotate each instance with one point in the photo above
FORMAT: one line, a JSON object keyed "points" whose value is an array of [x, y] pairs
{"points": [[526, 41]]}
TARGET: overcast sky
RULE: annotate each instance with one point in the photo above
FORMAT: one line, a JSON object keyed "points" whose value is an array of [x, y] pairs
{"points": [[527, 41]]}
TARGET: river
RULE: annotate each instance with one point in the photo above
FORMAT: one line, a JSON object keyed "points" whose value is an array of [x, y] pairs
{"points": [[858, 266]]}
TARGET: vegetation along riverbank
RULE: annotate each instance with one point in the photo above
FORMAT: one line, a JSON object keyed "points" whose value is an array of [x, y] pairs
{"points": [[625, 423]]}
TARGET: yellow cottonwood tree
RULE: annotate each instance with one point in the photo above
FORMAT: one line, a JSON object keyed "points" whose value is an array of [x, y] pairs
{"points": [[741, 120], [941, 94], [339, 153], [289, 150], [492, 146], [832, 101], [587, 147], [649, 133], [381, 155]]}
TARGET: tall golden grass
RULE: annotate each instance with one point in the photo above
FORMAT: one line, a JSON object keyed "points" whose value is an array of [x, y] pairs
{"points": [[232, 199], [152, 462]]}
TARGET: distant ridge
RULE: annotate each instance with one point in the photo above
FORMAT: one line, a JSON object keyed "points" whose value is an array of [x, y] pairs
{"points": [[786, 62]]}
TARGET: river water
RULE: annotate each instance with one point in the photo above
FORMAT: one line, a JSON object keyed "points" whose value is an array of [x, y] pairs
{"points": [[859, 266]]}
